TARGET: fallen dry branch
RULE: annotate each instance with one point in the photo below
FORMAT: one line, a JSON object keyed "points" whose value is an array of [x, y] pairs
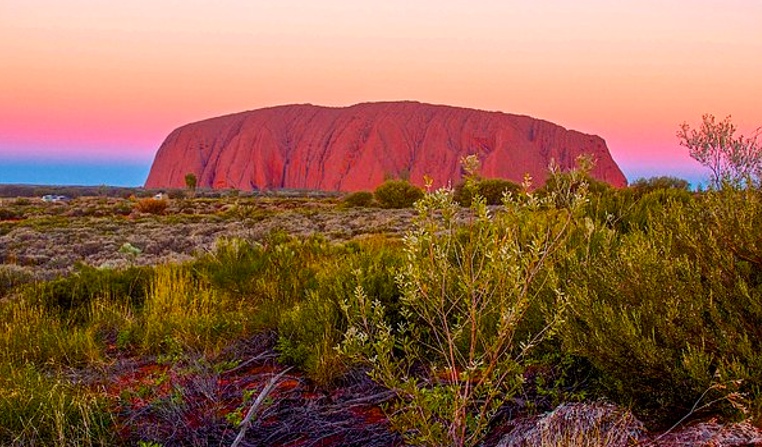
{"points": [[257, 405]]}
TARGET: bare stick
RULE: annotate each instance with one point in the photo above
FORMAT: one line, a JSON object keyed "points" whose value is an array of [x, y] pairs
{"points": [[256, 405]]}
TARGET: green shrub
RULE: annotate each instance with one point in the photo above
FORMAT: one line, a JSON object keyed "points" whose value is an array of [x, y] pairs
{"points": [[629, 209], [272, 275], [492, 190], [359, 199], [310, 330], [671, 313], [73, 293], [308, 333], [572, 184], [455, 357], [233, 267], [643, 186], [397, 194]]}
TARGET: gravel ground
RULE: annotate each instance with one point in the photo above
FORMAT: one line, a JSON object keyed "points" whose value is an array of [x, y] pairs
{"points": [[45, 246]]}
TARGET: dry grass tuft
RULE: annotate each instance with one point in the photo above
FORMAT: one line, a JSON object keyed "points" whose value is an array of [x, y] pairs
{"points": [[579, 425], [713, 434]]}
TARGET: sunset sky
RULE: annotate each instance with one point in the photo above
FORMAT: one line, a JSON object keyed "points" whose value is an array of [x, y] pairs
{"points": [[89, 86]]}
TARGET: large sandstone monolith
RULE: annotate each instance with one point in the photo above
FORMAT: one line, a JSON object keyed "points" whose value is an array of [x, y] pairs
{"points": [[357, 147]]}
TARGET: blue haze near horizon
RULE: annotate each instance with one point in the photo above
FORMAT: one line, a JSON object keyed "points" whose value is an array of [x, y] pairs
{"points": [[70, 173], [134, 173]]}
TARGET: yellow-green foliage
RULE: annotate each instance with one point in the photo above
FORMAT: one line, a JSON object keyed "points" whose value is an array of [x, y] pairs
{"points": [[311, 329], [632, 208], [73, 294], [38, 410], [659, 290], [31, 334], [181, 311], [271, 276]]}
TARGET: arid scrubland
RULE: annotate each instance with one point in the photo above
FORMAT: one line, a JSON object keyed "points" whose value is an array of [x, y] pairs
{"points": [[572, 315], [48, 239]]}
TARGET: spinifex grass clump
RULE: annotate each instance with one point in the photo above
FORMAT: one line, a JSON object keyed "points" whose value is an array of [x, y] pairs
{"points": [[184, 312], [36, 409], [228, 294], [31, 334], [455, 358], [73, 294], [38, 406]]}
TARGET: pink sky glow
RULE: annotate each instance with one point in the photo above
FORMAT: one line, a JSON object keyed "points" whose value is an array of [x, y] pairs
{"points": [[87, 79]]}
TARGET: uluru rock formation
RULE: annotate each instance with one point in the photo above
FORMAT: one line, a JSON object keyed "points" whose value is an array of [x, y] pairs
{"points": [[358, 147]]}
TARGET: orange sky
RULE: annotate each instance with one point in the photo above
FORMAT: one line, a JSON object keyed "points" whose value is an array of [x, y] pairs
{"points": [[107, 80]]}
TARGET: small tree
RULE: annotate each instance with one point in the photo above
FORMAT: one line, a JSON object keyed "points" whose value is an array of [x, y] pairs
{"points": [[190, 182], [736, 160]]}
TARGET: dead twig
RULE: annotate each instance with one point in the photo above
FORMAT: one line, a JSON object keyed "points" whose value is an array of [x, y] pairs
{"points": [[256, 405], [257, 358]]}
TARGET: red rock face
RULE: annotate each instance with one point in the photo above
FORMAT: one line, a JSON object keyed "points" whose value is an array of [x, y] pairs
{"points": [[358, 147]]}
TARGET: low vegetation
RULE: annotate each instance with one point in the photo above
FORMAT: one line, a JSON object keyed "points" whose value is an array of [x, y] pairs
{"points": [[490, 190], [622, 311], [397, 194]]}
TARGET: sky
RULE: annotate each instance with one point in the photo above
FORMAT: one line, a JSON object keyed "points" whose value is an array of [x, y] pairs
{"points": [[87, 86]]}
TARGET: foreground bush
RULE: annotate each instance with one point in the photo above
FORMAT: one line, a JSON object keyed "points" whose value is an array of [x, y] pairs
{"points": [[397, 194], [671, 314], [454, 359]]}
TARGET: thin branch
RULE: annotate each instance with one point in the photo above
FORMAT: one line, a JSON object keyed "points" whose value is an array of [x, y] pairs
{"points": [[256, 406]]}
